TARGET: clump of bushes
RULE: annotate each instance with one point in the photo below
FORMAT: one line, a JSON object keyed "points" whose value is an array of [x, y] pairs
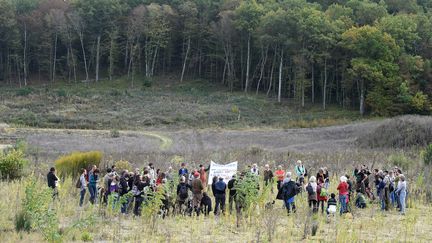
{"points": [[427, 156], [115, 133], [400, 160], [37, 212], [24, 91], [12, 164], [122, 165], [71, 164], [400, 132]]}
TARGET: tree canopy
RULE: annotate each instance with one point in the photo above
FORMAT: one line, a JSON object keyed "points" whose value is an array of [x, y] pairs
{"points": [[370, 55]]}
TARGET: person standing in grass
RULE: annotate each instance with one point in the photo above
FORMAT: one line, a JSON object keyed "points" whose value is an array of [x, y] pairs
{"points": [[93, 180], [268, 176], [311, 189], [402, 192], [203, 174], [197, 192], [321, 195], [343, 194], [232, 192], [183, 171], [83, 183], [52, 180], [220, 192], [255, 170], [300, 171], [280, 174], [289, 190]]}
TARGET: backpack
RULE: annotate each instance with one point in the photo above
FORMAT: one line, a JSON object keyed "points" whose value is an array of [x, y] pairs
{"points": [[309, 189], [183, 192], [323, 192], [220, 186], [78, 183], [135, 191]]}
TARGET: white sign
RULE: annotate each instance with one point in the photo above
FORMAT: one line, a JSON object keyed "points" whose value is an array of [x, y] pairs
{"points": [[224, 171]]}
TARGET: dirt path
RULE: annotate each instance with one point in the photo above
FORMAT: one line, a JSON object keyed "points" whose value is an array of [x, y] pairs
{"points": [[53, 142]]}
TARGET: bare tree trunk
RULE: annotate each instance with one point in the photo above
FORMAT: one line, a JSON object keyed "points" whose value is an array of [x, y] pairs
{"points": [[25, 56], [84, 54], [185, 59], [97, 57], [247, 63], [263, 63], [126, 54], [325, 83], [111, 54], [280, 77], [271, 74], [54, 59], [154, 60], [313, 83], [362, 98]]}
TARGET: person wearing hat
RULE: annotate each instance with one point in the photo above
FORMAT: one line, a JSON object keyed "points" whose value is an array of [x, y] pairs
{"points": [[220, 192], [197, 192]]}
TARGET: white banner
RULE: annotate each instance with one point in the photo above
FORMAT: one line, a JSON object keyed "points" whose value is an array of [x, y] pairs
{"points": [[224, 171]]}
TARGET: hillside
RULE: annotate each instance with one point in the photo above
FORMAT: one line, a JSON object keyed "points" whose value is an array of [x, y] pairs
{"points": [[166, 103]]}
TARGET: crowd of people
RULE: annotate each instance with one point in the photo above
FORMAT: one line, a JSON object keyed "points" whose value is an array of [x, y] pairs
{"points": [[192, 193]]}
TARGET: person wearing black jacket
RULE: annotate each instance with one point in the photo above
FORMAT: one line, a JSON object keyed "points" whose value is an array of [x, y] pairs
{"points": [[124, 189], [289, 190], [139, 186], [232, 192], [52, 180]]}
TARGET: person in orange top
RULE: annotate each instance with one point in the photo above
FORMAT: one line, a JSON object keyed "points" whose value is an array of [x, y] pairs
{"points": [[203, 174], [280, 174]]}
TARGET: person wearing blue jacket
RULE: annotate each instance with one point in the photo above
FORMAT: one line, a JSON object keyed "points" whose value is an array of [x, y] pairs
{"points": [[93, 179], [220, 195]]}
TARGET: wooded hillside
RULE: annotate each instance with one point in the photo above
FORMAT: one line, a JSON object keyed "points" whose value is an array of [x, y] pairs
{"points": [[374, 56]]}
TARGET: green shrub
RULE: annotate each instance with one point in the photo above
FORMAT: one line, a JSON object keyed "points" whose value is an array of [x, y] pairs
{"points": [[86, 236], [37, 206], [24, 91], [122, 165], [22, 222], [115, 133], [71, 164], [427, 156], [400, 160], [146, 82], [61, 93], [12, 164]]}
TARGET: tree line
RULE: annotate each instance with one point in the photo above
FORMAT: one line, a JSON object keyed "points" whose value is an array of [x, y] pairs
{"points": [[374, 55]]}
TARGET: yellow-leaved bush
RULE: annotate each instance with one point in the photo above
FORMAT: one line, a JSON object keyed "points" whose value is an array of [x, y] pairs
{"points": [[71, 164]]}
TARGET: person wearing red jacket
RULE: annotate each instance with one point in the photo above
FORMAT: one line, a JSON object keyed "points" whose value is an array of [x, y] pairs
{"points": [[343, 189]]}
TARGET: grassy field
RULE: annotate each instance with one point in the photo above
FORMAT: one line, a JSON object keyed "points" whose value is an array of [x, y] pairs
{"points": [[194, 104], [96, 223]]}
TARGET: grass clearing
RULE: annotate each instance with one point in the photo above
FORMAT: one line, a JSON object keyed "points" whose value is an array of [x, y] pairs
{"points": [[194, 104]]}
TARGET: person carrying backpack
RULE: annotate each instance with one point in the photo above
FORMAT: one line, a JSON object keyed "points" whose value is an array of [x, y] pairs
{"points": [[182, 192], [220, 192], [321, 195], [311, 189], [289, 190]]}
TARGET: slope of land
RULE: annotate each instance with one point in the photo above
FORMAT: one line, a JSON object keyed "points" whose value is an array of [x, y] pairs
{"points": [[166, 104]]}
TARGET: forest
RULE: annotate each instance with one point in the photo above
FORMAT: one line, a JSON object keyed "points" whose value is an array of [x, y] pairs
{"points": [[373, 56]]}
